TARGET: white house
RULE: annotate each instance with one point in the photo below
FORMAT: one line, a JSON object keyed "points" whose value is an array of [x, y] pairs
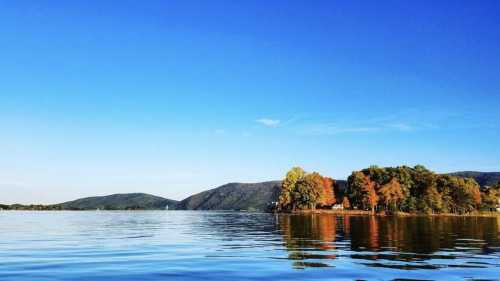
{"points": [[338, 207]]}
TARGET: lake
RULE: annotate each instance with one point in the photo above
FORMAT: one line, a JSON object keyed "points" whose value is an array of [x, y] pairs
{"points": [[190, 245]]}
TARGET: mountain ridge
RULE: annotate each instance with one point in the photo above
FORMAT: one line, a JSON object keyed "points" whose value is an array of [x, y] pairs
{"points": [[233, 196], [482, 178], [119, 201]]}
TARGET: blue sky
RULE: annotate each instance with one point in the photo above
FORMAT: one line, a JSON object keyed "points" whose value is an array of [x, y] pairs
{"points": [[175, 97]]}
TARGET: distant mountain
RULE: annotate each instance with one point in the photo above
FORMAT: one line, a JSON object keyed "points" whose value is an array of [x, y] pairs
{"points": [[483, 178], [234, 196], [129, 201]]}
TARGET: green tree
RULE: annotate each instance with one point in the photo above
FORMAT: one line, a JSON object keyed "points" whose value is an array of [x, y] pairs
{"points": [[289, 186], [308, 192], [355, 188]]}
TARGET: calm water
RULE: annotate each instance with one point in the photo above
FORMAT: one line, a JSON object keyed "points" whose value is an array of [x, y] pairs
{"points": [[179, 245]]}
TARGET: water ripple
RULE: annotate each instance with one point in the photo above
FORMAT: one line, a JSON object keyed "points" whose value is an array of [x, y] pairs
{"points": [[178, 245]]}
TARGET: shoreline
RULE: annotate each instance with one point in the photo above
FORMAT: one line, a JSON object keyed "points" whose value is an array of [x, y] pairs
{"points": [[298, 212], [398, 214]]}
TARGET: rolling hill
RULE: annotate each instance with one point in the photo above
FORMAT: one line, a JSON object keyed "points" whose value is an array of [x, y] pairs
{"points": [[482, 178], [130, 201], [234, 196]]}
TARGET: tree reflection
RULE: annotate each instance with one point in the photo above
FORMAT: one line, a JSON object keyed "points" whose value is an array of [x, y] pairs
{"points": [[305, 235], [323, 237]]}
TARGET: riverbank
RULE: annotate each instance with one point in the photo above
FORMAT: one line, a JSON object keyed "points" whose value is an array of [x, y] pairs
{"points": [[397, 214]]}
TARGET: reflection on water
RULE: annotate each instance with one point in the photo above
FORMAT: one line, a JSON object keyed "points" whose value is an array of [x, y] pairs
{"points": [[416, 241], [181, 245]]}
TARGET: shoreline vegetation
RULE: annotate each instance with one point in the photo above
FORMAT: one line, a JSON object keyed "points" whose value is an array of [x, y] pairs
{"points": [[402, 191], [395, 214]]}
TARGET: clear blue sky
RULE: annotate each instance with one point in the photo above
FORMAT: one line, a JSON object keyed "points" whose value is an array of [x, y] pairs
{"points": [[175, 97]]}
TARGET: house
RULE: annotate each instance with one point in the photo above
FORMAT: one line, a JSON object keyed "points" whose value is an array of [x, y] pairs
{"points": [[338, 207]]}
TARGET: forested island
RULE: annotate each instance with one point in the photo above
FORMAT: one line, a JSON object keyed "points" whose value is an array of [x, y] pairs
{"points": [[390, 190]]}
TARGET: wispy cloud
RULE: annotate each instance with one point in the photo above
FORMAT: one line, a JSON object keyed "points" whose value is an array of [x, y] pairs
{"points": [[272, 123], [330, 129], [400, 127], [349, 123], [220, 131], [363, 128]]}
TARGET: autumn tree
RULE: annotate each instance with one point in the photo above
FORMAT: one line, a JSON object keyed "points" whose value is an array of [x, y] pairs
{"points": [[459, 195], [301, 190], [467, 195], [391, 194], [288, 187], [308, 192], [409, 189], [328, 198], [370, 197], [361, 190], [490, 198], [433, 199]]}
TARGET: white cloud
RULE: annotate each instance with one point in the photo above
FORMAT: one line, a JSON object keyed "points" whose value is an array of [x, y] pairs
{"points": [[273, 123], [368, 127], [329, 129], [401, 127]]}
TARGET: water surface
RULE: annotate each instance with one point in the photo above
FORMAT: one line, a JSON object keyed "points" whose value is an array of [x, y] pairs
{"points": [[178, 245]]}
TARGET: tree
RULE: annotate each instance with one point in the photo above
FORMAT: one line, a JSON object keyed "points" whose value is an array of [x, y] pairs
{"points": [[354, 188], [288, 187], [308, 192], [301, 190], [460, 195], [391, 194], [433, 199], [403, 188], [491, 197], [361, 191], [369, 197], [444, 187], [467, 195], [328, 198]]}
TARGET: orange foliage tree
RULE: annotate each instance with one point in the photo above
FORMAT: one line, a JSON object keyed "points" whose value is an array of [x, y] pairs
{"points": [[391, 194], [370, 197], [328, 192]]}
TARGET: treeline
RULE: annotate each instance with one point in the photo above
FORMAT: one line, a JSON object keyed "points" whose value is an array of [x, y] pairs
{"points": [[38, 207], [417, 190], [31, 207], [391, 189]]}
